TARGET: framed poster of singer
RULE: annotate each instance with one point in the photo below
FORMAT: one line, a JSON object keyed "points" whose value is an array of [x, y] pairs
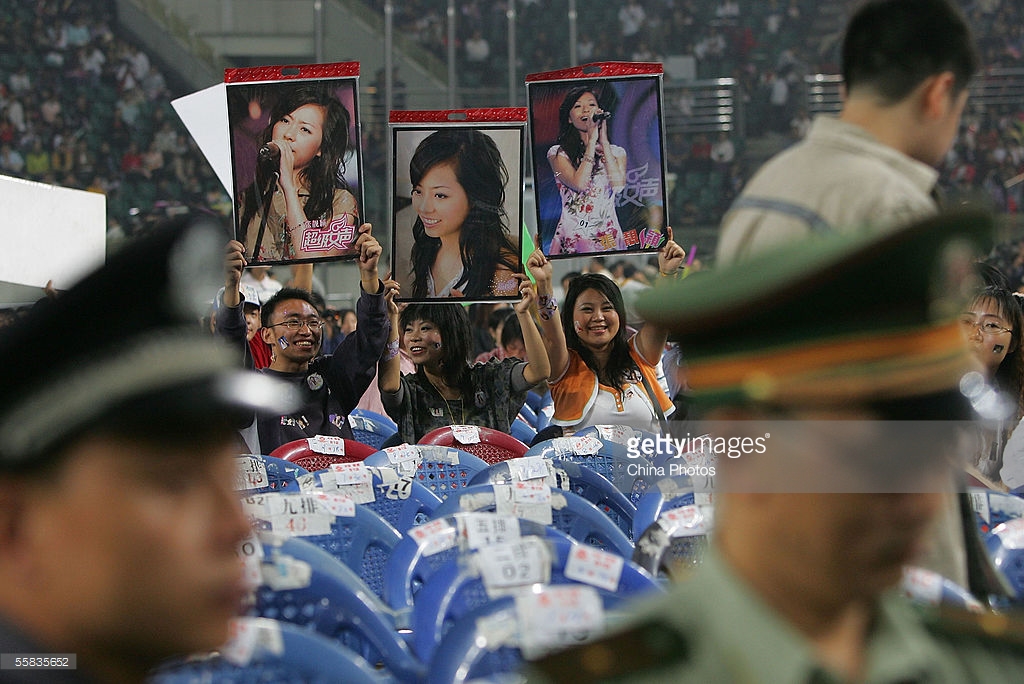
{"points": [[597, 146], [295, 161], [457, 203]]}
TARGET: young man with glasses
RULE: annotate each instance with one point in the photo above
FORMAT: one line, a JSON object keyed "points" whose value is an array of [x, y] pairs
{"points": [[330, 385]]}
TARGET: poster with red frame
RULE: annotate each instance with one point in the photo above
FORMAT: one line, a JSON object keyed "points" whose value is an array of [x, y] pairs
{"points": [[598, 152], [296, 161], [457, 203]]}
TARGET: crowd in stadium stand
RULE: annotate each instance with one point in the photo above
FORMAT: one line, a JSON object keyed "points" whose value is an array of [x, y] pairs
{"points": [[83, 107]]}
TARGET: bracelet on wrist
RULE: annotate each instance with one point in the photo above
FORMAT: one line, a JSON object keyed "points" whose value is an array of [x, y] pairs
{"points": [[391, 350], [546, 306], [674, 275]]}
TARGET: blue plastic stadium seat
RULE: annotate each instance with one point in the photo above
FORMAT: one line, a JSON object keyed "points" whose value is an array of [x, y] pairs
{"points": [[284, 654]]}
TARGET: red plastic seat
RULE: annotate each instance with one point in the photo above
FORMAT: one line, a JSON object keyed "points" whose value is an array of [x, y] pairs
{"points": [[493, 447], [302, 454]]}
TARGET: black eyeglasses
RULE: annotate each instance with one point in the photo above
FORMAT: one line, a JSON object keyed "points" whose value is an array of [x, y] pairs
{"points": [[314, 324]]}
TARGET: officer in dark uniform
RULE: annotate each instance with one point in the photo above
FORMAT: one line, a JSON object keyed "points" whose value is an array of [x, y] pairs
{"points": [[119, 520]]}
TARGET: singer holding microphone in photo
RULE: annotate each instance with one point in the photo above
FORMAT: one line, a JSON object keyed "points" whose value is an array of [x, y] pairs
{"points": [[299, 205], [589, 172]]}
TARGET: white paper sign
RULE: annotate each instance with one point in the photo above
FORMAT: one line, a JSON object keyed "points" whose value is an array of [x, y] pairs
{"points": [[205, 115], [50, 233]]}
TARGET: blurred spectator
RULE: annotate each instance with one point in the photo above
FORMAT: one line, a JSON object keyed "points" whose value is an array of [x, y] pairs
{"points": [[262, 280], [11, 160], [631, 18]]}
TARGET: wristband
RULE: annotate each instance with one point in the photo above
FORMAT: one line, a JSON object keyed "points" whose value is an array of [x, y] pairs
{"points": [[391, 349], [546, 306]]}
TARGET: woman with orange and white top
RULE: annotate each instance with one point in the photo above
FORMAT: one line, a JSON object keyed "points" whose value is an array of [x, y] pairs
{"points": [[598, 374]]}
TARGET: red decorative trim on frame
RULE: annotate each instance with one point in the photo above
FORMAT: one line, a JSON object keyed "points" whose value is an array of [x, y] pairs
{"points": [[599, 70], [291, 72], [456, 116]]}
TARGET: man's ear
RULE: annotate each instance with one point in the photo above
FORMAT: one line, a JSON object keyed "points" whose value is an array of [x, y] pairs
{"points": [[268, 335], [937, 94]]}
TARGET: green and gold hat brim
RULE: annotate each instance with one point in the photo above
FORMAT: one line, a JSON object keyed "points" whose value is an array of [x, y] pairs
{"points": [[829, 320]]}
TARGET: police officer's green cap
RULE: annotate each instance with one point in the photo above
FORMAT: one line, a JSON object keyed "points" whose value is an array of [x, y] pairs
{"points": [[827, 320], [125, 344]]}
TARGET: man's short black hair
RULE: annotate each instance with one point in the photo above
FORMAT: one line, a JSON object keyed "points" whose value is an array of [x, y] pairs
{"points": [[281, 295], [892, 46]]}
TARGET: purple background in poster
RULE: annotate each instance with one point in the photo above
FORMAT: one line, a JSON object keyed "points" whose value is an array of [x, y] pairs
{"points": [[246, 131], [635, 126]]}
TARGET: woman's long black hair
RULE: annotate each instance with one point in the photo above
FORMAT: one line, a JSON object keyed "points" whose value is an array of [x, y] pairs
{"points": [[484, 243], [620, 369], [325, 173], [452, 324], [568, 136]]}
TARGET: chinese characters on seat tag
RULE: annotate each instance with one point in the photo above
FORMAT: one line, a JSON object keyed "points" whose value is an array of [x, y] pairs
{"points": [[251, 474], [558, 616], [504, 568], [480, 529], [575, 445], [529, 468], [326, 444], [530, 500], [405, 458], [354, 480], [466, 434], [435, 536], [619, 434], [686, 521], [299, 515], [595, 567]]}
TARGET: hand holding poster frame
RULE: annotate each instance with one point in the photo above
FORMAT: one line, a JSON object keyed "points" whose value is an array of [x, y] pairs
{"points": [[597, 145], [457, 203], [296, 161]]}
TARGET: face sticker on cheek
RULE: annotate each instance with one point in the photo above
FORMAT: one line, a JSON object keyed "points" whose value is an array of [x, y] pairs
{"points": [[282, 343], [576, 325]]}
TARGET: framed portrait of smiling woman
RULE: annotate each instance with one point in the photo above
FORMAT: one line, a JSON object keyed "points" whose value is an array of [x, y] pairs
{"points": [[457, 203], [295, 161], [597, 145]]}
